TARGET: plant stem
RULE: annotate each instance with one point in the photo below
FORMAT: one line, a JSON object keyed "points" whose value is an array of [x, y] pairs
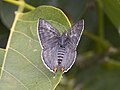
{"points": [[18, 3], [100, 20], [112, 63], [100, 24], [97, 39]]}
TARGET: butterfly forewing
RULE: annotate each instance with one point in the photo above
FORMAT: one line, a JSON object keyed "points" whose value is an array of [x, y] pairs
{"points": [[48, 35], [75, 33]]}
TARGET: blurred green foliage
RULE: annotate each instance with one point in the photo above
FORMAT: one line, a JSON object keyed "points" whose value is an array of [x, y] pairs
{"points": [[98, 62]]}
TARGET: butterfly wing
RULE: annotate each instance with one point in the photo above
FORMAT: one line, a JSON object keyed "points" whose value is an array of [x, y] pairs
{"points": [[49, 57], [69, 59], [48, 37], [47, 34], [74, 34]]}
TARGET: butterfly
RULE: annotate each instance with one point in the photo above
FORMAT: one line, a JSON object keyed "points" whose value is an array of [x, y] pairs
{"points": [[59, 50]]}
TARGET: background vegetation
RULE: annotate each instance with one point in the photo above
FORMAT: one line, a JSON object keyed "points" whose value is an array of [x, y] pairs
{"points": [[98, 62]]}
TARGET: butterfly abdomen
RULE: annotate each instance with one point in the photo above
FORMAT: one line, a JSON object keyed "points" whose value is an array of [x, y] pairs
{"points": [[60, 55]]}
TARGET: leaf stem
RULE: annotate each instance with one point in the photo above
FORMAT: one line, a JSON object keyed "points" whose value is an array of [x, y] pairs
{"points": [[57, 79], [18, 3]]}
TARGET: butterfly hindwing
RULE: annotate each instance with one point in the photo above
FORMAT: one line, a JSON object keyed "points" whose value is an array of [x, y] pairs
{"points": [[69, 58], [49, 57], [47, 34]]}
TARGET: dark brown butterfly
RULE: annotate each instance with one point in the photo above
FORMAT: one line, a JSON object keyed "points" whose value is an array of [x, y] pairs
{"points": [[59, 50]]}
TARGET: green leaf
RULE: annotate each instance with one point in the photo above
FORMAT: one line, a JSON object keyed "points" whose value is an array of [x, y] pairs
{"points": [[112, 9], [23, 68], [101, 77], [47, 13], [2, 52]]}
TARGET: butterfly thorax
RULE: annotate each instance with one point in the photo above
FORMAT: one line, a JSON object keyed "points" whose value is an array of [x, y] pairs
{"points": [[63, 40]]}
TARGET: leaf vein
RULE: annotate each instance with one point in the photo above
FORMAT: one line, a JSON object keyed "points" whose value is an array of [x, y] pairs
{"points": [[16, 78], [26, 36], [31, 64]]}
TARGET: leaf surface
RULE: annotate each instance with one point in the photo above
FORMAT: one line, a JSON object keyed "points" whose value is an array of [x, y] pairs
{"points": [[23, 68], [112, 9], [2, 52]]}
